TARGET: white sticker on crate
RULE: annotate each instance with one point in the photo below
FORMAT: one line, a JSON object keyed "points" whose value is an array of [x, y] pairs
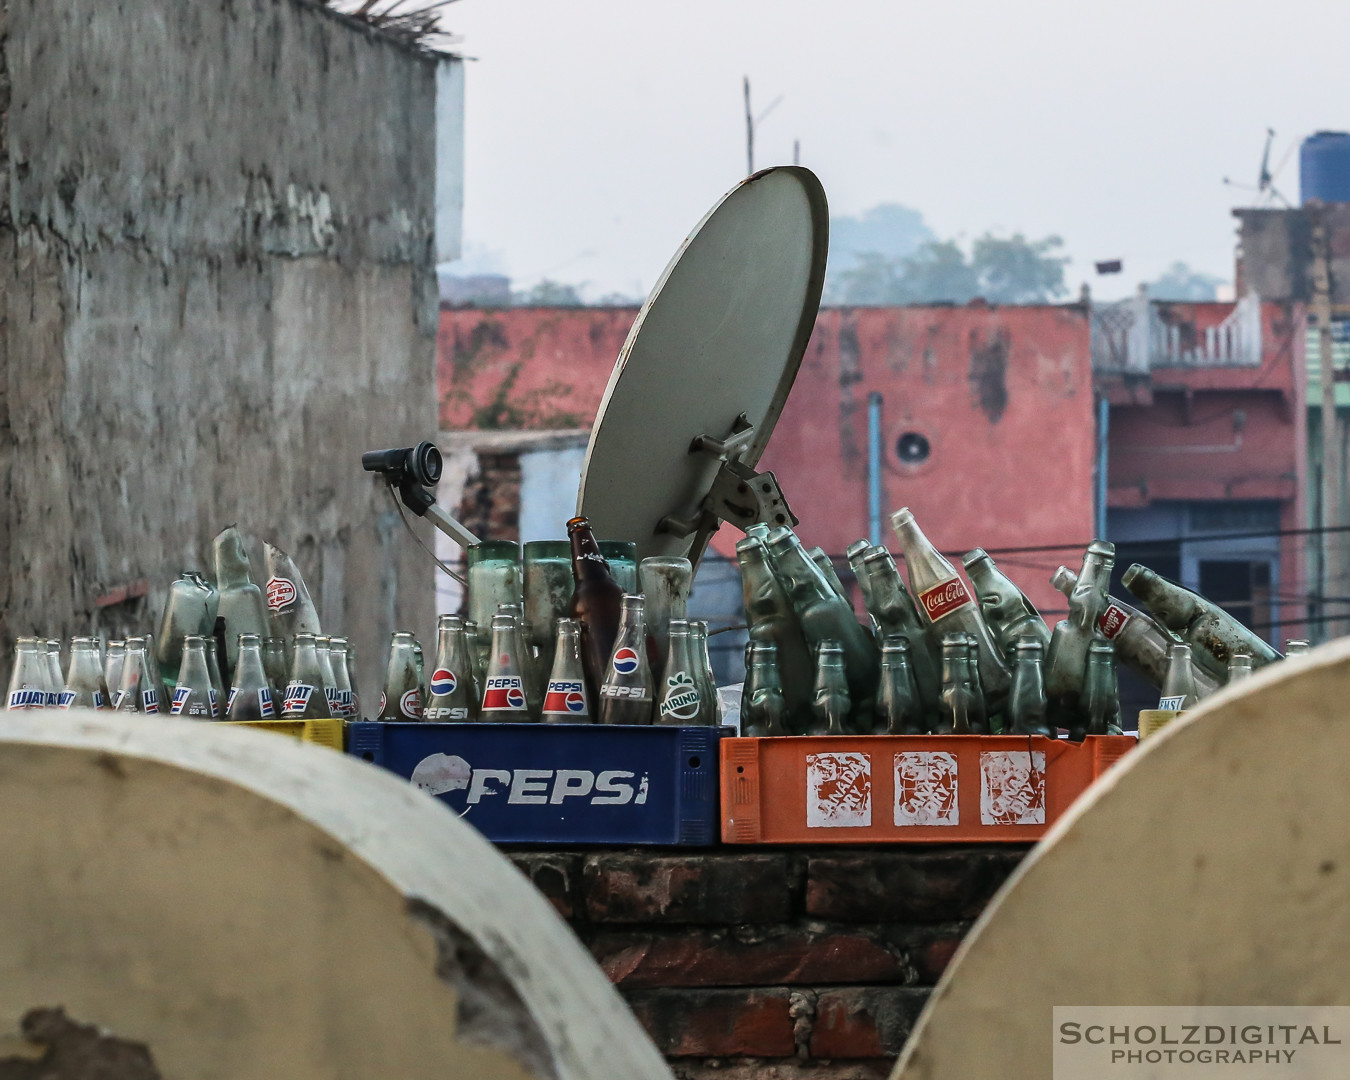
{"points": [[1012, 787], [838, 791], [925, 789]]}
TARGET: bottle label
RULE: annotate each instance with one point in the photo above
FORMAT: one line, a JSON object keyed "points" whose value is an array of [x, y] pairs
{"points": [[66, 697], [53, 699], [944, 598], [448, 714], [1172, 704], [628, 693], [564, 698], [118, 698], [28, 698], [215, 703], [625, 660], [1113, 621], [180, 697], [297, 697], [229, 701], [348, 704], [98, 699], [443, 682], [504, 693], [280, 593], [265, 703], [410, 704], [682, 697], [150, 700], [333, 696]]}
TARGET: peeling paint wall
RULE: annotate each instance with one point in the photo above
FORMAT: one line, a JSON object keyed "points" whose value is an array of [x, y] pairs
{"points": [[216, 288]]}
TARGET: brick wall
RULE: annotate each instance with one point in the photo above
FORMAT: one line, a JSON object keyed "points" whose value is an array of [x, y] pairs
{"points": [[774, 965]]}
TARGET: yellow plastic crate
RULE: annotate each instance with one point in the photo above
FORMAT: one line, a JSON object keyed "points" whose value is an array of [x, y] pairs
{"points": [[324, 732]]}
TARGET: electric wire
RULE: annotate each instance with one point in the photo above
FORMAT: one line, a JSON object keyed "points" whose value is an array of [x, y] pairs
{"points": [[413, 533]]}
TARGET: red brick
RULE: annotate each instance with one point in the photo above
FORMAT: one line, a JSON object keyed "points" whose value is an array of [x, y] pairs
{"points": [[752, 957], [556, 874], [704, 889], [782, 1069], [716, 1023], [907, 886], [864, 1021]]}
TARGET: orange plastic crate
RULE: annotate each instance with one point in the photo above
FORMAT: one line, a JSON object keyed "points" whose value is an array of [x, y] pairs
{"points": [[933, 788]]}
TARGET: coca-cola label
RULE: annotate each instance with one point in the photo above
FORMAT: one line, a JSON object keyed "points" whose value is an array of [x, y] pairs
{"points": [[280, 593], [1113, 620], [944, 598]]}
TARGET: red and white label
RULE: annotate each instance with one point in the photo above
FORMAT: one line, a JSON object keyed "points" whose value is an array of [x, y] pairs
{"points": [[1113, 621], [280, 592], [410, 704], [944, 598]]}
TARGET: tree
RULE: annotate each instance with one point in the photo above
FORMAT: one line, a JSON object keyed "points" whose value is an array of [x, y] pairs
{"points": [[937, 273], [1018, 271], [548, 294], [861, 246], [1180, 283]]}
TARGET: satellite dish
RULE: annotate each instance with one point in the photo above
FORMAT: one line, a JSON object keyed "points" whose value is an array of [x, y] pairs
{"points": [[707, 366]]}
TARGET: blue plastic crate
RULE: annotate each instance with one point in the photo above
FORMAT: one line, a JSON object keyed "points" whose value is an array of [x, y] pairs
{"points": [[559, 783]]}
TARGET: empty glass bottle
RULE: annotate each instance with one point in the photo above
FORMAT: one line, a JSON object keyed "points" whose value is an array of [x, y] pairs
{"points": [[666, 583], [189, 608], [139, 690], [895, 614], [290, 611], [626, 695], [1066, 659], [28, 684], [831, 575], [402, 697], [193, 695], [958, 706], [213, 670], [698, 632], [1101, 693], [1296, 647], [274, 663], [1211, 632], [1240, 667], [856, 552], [55, 679], [354, 708], [84, 685], [947, 604], [621, 555], [494, 578], [1006, 609], [597, 602], [547, 595], [478, 659], [534, 681], [763, 708], [113, 656], [239, 600], [1178, 690], [771, 619], [830, 704], [450, 691], [331, 694], [899, 709], [337, 657], [565, 698], [684, 700], [1028, 711], [304, 690], [250, 692], [504, 688], [152, 663]]}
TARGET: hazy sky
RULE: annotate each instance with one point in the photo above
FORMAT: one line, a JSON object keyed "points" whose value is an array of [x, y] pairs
{"points": [[599, 131]]}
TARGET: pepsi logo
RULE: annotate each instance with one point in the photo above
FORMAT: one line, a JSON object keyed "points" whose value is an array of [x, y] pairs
{"points": [[625, 661], [515, 698], [443, 682], [280, 592], [575, 702]]}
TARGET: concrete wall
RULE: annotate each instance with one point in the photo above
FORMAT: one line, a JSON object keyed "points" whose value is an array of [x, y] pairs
{"points": [[1275, 253], [216, 289]]}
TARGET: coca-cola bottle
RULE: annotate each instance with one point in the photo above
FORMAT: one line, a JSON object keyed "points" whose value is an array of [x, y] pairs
{"points": [[1211, 632], [565, 700], [626, 692], [948, 605], [899, 709], [504, 687], [1006, 609], [831, 703], [1028, 710], [1066, 659], [958, 696], [402, 697], [1101, 696], [768, 611], [895, 614], [826, 565], [193, 696], [84, 685], [763, 708], [684, 699], [597, 601], [304, 691], [250, 693], [31, 675], [856, 552], [450, 692]]}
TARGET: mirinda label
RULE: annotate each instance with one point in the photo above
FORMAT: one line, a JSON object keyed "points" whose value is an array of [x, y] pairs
{"points": [[944, 598], [1113, 621]]}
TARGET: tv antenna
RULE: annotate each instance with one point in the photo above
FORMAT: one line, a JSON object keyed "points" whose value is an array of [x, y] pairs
{"points": [[1265, 189]]}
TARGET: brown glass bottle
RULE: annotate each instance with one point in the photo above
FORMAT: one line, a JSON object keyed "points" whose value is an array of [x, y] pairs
{"points": [[597, 602]]}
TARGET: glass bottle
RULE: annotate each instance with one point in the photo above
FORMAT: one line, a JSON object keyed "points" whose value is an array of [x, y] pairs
{"points": [[84, 685], [830, 705], [55, 680], [354, 707], [899, 710], [1240, 667], [494, 579], [895, 614], [529, 669], [547, 595], [698, 632], [402, 697], [666, 583], [771, 619], [597, 602], [239, 601], [684, 696], [957, 699], [451, 695], [565, 698], [504, 688], [626, 693], [274, 663], [138, 691], [856, 553], [213, 670], [621, 555], [189, 608], [763, 707], [304, 690], [1295, 647], [331, 694], [290, 610], [826, 565], [1066, 659], [28, 682], [113, 657], [1102, 694], [162, 694], [250, 692], [1006, 608], [1178, 690], [193, 695], [1028, 711]]}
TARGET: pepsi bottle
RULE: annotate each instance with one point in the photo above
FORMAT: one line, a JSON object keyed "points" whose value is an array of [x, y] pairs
{"points": [[565, 700], [504, 687], [626, 692], [451, 697]]}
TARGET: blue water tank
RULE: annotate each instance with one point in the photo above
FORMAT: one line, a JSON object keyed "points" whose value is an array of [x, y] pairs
{"points": [[1324, 167]]}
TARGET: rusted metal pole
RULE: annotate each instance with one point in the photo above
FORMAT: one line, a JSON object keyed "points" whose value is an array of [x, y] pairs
{"points": [[1333, 577], [749, 132]]}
